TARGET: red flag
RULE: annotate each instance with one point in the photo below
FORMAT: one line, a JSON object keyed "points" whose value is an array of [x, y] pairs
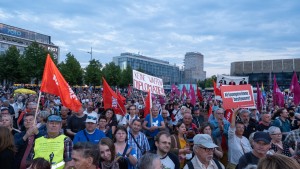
{"points": [[192, 94], [228, 114], [183, 93], [259, 99], [129, 90], [199, 94], [112, 100], [54, 83], [148, 104], [209, 110], [120, 96], [216, 89], [295, 88], [278, 98]]}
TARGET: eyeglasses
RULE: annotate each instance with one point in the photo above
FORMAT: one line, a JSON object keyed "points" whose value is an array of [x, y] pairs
{"points": [[91, 117], [207, 149], [276, 134]]}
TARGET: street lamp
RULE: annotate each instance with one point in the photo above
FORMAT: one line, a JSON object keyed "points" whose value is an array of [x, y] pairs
{"points": [[91, 52]]}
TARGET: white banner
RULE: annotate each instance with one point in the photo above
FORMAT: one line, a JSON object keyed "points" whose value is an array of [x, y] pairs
{"points": [[142, 81], [232, 80]]}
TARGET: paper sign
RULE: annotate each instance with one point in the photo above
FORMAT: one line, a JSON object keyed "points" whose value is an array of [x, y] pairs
{"points": [[142, 81]]}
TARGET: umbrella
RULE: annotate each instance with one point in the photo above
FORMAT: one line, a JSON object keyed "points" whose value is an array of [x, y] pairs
{"points": [[25, 91]]}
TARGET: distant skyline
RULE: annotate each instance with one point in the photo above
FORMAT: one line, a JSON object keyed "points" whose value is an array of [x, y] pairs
{"points": [[223, 31]]}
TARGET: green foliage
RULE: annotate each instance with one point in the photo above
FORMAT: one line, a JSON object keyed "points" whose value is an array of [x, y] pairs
{"points": [[32, 63], [209, 81], [112, 74], [126, 77], [71, 70], [9, 65], [93, 73]]}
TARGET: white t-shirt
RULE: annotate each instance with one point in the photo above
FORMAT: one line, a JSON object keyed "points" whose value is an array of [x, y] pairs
{"points": [[167, 163]]}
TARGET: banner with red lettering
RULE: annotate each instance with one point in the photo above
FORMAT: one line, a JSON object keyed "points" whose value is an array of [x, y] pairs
{"points": [[234, 96], [144, 82]]}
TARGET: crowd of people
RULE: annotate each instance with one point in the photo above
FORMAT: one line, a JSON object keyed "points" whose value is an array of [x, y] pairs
{"points": [[175, 134]]}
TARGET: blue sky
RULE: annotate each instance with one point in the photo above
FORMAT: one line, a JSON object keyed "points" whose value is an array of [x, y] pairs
{"points": [[224, 31]]}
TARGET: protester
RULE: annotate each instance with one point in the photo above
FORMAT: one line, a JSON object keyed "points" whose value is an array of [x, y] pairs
{"points": [[137, 139], [153, 129], [127, 119], [39, 163], [198, 118], [238, 144], [203, 149], [249, 123], [207, 129], [261, 145], [179, 144], [265, 122], [220, 125], [149, 161], [102, 124], [85, 155], [282, 121], [76, 123], [277, 161], [90, 133], [163, 144], [276, 143], [123, 149], [107, 156], [25, 140], [58, 147], [7, 148], [112, 122], [167, 120]]}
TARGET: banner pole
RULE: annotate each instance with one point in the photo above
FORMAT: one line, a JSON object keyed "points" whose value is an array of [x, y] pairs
{"points": [[37, 107]]}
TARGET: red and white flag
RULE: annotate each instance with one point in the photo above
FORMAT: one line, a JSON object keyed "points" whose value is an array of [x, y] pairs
{"points": [[112, 100], [54, 83]]}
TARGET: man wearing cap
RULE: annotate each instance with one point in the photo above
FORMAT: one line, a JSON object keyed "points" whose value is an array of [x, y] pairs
{"points": [[91, 133], [204, 149], [54, 147], [261, 145]]}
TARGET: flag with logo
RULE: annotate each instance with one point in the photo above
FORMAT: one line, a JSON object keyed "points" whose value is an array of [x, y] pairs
{"points": [[54, 83], [112, 100]]}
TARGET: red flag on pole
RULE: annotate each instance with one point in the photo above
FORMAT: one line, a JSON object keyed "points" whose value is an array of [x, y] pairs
{"points": [[259, 99], [199, 94], [295, 88], [148, 104], [278, 98], [112, 100], [54, 83], [192, 94], [120, 96], [216, 89], [129, 90]]}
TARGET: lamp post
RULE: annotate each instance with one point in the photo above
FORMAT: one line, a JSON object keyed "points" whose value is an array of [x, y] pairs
{"points": [[91, 52]]}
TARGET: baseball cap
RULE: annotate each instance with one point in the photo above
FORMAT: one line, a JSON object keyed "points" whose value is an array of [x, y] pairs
{"points": [[262, 136], [91, 119], [204, 140], [54, 118]]}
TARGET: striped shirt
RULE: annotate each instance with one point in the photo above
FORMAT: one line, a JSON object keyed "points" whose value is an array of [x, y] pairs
{"points": [[142, 140]]}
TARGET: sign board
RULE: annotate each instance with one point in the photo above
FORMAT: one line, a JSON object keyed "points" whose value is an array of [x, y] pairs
{"points": [[142, 81], [232, 80], [234, 96]]}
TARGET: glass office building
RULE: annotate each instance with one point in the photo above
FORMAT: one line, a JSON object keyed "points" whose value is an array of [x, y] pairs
{"points": [[264, 71], [21, 38], [155, 67]]}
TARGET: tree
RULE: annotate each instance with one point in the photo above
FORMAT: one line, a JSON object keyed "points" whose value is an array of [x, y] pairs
{"points": [[93, 73], [209, 81], [32, 63], [9, 65], [126, 76], [112, 74], [71, 70]]}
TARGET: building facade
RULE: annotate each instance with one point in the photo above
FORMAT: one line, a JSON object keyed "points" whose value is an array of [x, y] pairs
{"points": [[194, 67], [155, 67], [264, 71], [21, 38]]}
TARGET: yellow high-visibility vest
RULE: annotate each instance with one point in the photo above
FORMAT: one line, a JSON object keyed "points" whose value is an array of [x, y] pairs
{"points": [[44, 147]]}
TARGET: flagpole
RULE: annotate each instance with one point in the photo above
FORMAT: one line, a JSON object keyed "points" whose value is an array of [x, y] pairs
{"points": [[121, 109], [37, 107]]}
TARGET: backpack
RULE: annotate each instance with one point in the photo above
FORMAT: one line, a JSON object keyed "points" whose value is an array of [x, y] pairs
{"points": [[191, 166]]}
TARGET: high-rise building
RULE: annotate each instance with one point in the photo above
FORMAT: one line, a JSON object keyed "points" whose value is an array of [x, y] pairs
{"points": [[155, 67], [193, 67], [21, 38]]}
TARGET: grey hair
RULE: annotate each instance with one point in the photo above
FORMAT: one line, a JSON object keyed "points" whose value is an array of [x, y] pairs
{"points": [[244, 111], [44, 114], [273, 129], [146, 162]]}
